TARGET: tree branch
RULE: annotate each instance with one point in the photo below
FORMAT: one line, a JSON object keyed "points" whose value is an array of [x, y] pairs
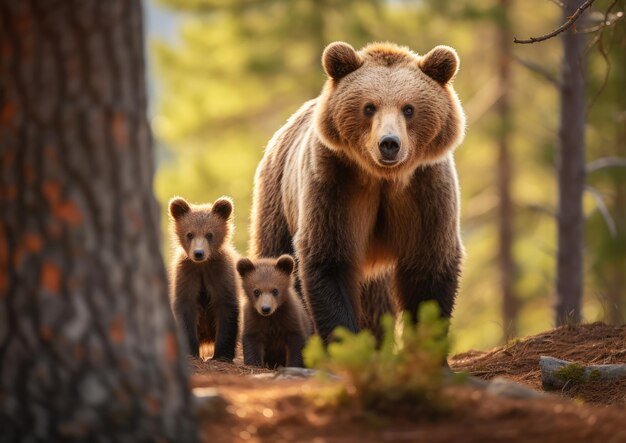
{"points": [[605, 162], [604, 211], [564, 27]]}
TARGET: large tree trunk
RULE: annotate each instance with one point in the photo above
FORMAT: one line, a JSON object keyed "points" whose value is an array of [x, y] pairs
{"points": [[88, 347], [505, 208], [571, 169]]}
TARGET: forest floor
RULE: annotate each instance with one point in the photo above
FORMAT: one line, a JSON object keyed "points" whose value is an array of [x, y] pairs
{"points": [[261, 408]]}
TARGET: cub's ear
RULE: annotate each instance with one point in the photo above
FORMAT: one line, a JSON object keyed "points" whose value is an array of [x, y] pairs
{"points": [[245, 266], [340, 59], [441, 64], [178, 207], [285, 264], [223, 207]]}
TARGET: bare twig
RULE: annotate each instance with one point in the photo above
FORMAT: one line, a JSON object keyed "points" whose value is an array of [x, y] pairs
{"points": [[605, 162], [538, 69], [604, 53], [604, 211], [564, 27], [610, 20]]}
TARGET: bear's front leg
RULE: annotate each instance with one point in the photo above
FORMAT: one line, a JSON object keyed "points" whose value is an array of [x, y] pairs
{"points": [[331, 289], [416, 284]]}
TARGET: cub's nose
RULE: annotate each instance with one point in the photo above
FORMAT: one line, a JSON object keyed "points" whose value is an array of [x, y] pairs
{"points": [[265, 309], [389, 147], [198, 254]]}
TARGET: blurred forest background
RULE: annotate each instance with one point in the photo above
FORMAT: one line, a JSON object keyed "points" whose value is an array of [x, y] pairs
{"points": [[226, 74]]}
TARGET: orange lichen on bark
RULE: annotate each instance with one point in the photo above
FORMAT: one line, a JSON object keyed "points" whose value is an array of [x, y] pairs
{"points": [[154, 407], [32, 242], [120, 130], [10, 192], [4, 262], [29, 173], [50, 278], [8, 111], [117, 329], [51, 153], [52, 192], [79, 352], [68, 212], [45, 332], [171, 347]]}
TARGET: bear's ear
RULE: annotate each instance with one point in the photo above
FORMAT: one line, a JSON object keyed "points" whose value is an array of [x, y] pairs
{"points": [[441, 64], [245, 266], [340, 59], [223, 207], [178, 207], [285, 264]]}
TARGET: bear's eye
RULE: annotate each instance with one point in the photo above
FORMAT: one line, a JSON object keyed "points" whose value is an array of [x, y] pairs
{"points": [[189, 235], [209, 236], [369, 110], [257, 292], [408, 111], [275, 292]]}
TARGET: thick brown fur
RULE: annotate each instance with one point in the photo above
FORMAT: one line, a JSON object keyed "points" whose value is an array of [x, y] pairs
{"points": [[358, 225], [203, 280], [276, 336]]}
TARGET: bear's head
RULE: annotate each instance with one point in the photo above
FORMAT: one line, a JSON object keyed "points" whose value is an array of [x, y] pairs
{"points": [[388, 109], [266, 282], [201, 230]]}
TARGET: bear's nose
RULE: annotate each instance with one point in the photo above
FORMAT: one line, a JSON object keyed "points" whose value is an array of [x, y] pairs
{"points": [[389, 147], [265, 309], [198, 254]]}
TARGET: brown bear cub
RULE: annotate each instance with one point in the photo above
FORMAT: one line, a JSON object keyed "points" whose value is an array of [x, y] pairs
{"points": [[360, 185], [276, 325], [204, 286]]}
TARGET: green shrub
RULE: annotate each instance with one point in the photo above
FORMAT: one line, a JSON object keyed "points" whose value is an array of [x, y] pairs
{"points": [[404, 374]]}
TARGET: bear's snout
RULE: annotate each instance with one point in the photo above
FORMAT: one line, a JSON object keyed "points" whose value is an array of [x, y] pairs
{"points": [[265, 309], [198, 254], [389, 147]]}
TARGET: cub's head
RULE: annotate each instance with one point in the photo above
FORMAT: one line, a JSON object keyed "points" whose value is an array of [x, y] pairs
{"points": [[201, 230], [389, 109], [266, 282]]}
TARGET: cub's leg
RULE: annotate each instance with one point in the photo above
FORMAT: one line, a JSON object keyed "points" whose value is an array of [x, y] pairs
{"points": [[227, 322], [252, 349], [185, 310], [295, 344]]}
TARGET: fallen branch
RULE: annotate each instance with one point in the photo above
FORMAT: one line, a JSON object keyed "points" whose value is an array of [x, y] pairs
{"points": [[564, 27], [557, 374], [605, 162]]}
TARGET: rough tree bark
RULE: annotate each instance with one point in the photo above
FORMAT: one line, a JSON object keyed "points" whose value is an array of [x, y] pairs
{"points": [[571, 171], [505, 207], [88, 348]]}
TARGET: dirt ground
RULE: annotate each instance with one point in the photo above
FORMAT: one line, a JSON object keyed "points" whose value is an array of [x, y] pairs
{"points": [[262, 409]]}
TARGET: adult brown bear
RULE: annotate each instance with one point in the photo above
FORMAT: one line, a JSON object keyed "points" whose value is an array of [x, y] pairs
{"points": [[360, 184]]}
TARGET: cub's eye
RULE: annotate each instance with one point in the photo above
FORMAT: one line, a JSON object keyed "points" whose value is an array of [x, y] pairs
{"points": [[189, 235], [408, 111], [257, 292], [209, 236], [369, 110], [275, 292]]}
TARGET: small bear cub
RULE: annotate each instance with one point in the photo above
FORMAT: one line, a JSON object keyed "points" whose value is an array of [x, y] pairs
{"points": [[204, 288], [276, 324]]}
